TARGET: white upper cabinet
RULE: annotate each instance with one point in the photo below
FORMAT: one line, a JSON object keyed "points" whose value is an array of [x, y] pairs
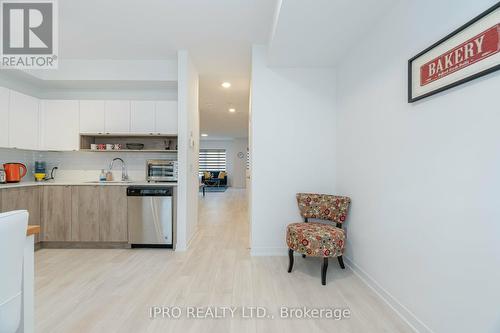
{"points": [[23, 121], [92, 117], [117, 117], [166, 117], [4, 117], [59, 124], [29, 123], [142, 117]]}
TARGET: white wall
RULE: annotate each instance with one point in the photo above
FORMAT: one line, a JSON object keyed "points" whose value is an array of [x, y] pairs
{"points": [[188, 143], [292, 148], [16, 80], [424, 178], [235, 166], [110, 69], [129, 93], [98, 79], [240, 164]]}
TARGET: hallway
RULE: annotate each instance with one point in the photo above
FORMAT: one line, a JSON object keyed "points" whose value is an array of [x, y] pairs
{"points": [[108, 290]]}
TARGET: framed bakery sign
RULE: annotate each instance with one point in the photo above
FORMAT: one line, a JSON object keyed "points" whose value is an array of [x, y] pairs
{"points": [[469, 52]]}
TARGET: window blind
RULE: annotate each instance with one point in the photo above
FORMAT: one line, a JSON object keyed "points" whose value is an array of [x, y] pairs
{"points": [[212, 160]]}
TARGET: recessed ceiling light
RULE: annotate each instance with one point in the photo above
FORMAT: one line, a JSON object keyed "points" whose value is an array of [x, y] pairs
{"points": [[226, 84], [204, 134], [232, 110]]}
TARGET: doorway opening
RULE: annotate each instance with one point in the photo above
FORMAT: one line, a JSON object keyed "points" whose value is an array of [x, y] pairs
{"points": [[223, 153]]}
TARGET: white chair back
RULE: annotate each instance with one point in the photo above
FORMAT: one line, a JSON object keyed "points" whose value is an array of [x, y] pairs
{"points": [[13, 226]]}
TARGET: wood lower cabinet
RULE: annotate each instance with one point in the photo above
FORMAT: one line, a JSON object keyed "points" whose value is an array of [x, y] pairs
{"points": [[99, 213], [72, 213], [85, 213], [27, 198], [113, 214], [56, 213]]}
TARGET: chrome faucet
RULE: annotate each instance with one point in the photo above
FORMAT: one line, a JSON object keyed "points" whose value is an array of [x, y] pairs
{"points": [[124, 168]]}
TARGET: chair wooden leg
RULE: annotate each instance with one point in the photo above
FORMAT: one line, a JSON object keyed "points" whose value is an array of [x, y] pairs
{"points": [[303, 256], [341, 262], [323, 271], [290, 257]]}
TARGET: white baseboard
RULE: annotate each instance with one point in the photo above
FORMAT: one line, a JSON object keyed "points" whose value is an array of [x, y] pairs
{"points": [[183, 247], [416, 324], [195, 233], [406, 315], [180, 247]]}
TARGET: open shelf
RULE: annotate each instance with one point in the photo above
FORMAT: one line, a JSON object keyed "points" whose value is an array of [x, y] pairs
{"points": [[129, 135], [129, 151], [152, 143]]}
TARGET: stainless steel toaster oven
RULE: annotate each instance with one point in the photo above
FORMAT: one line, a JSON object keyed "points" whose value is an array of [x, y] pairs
{"points": [[161, 171]]}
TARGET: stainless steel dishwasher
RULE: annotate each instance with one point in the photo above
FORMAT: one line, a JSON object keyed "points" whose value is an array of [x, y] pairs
{"points": [[150, 216]]}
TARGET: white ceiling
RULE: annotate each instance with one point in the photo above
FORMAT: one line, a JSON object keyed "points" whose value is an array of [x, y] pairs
{"points": [[318, 33], [218, 35], [215, 119]]}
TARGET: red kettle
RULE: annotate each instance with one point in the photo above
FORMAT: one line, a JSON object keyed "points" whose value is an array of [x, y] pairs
{"points": [[14, 172]]}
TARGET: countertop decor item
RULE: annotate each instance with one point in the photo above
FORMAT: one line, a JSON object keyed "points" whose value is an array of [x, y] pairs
{"points": [[40, 170], [39, 176], [471, 51], [135, 146], [102, 176], [109, 176], [40, 167], [14, 172]]}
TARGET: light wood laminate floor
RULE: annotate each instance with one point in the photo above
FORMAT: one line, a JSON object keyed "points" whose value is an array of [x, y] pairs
{"points": [[112, 290]]}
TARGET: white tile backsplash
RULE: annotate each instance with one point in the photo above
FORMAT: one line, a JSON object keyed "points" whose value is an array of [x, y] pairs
{"points": [[21, 156], [83, 166]]}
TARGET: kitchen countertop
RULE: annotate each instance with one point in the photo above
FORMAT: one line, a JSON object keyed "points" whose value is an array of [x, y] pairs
{"points": [[84, 183], [32, 230]]}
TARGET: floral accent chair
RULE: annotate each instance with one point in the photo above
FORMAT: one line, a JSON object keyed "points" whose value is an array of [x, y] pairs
{"points": [[318, 239]]}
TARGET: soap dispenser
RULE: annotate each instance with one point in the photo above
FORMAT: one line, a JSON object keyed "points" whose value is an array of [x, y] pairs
{"points": [[102, 176]]}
